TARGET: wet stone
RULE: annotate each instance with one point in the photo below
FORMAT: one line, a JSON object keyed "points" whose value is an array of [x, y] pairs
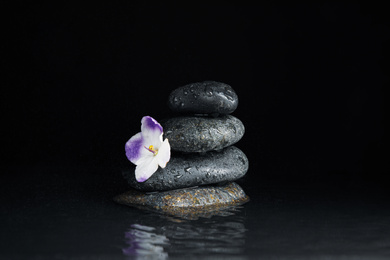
{"points": [[186, 170], [208, 97], [186, 202], [202, 134]]}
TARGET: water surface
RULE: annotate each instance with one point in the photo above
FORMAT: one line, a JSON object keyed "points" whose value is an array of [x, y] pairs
{"points": [[69, 214]]}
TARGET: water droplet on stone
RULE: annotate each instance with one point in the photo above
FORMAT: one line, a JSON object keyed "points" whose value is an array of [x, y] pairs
{"points": [[185, 92], [208, 175], [182, 104], [209, 91], [242, 160], [192, 90], [188, 169], [229, 94], [175, 100]]}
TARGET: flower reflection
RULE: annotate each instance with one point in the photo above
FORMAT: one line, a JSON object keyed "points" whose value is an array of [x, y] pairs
{"points": [[143, 243], [157, 236]]}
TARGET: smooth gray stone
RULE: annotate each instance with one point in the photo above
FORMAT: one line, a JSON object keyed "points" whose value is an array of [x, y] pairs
{"points": [[188, 170], [202, 134], [208, 97]]}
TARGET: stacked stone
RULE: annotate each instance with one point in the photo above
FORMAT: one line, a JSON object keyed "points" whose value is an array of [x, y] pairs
{"points": [[202, 151]]}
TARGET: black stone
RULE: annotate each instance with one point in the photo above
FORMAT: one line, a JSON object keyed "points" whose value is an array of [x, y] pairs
{"points": [[189, 203], [208, 97], [187, 170], [202, 134]]}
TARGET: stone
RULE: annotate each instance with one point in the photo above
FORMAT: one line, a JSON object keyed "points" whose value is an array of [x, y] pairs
{"points": [[208, 97], [202, 134], [186, 170], [187, 203]]}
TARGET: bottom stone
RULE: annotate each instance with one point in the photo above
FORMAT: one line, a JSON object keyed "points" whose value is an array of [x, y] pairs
{"points": [[188, 203]]}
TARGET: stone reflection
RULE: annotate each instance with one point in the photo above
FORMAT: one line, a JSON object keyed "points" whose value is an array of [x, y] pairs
{"points": [[157, 237]]}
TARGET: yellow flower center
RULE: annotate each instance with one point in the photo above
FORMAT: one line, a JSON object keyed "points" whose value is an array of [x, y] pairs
{"points": [[152, 150]]}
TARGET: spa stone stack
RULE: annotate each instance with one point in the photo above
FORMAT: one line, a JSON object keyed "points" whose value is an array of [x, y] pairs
{"points": [[201, 140]]}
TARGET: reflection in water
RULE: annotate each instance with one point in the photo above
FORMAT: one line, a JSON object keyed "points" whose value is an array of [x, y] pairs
{"points": [[144, 243], [156, 236]]}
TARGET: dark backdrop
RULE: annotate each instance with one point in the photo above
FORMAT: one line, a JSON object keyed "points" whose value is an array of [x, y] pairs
{"points": [[77, 79]]}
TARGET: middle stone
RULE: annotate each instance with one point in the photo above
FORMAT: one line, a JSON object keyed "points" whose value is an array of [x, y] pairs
{"points": [[187, 170], [202, 134]]}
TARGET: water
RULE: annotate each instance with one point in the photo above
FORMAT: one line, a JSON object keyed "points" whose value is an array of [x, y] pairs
{"points": [[169, 237], [67, 212], [279, 225]]}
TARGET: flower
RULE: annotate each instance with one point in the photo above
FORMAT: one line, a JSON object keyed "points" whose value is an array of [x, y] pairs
{"points": [[147, 149]]}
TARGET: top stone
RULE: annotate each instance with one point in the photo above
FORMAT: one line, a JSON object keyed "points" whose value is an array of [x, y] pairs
{"points": [[208, 97]]}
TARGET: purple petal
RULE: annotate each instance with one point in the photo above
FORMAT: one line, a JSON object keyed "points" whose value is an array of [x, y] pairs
{"points": [[134, 148], [150, 126], [142, 179]]}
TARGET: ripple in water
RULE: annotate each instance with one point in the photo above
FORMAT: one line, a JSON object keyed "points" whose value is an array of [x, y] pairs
{"points": [[144, 243], [157, 237]]}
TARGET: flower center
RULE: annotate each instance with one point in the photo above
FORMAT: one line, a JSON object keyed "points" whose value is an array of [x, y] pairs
{"points": [[151, 149]]}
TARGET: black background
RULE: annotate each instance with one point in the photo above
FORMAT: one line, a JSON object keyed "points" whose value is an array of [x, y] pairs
{"points": [[310, 79], [312, 83]]}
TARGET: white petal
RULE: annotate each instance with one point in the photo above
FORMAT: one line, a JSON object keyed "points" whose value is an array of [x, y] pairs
{"points": [[164, 153], [151, 131], [146, 167]]}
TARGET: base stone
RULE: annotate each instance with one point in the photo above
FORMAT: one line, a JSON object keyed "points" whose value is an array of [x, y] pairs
{"points": [[188, 203]]}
